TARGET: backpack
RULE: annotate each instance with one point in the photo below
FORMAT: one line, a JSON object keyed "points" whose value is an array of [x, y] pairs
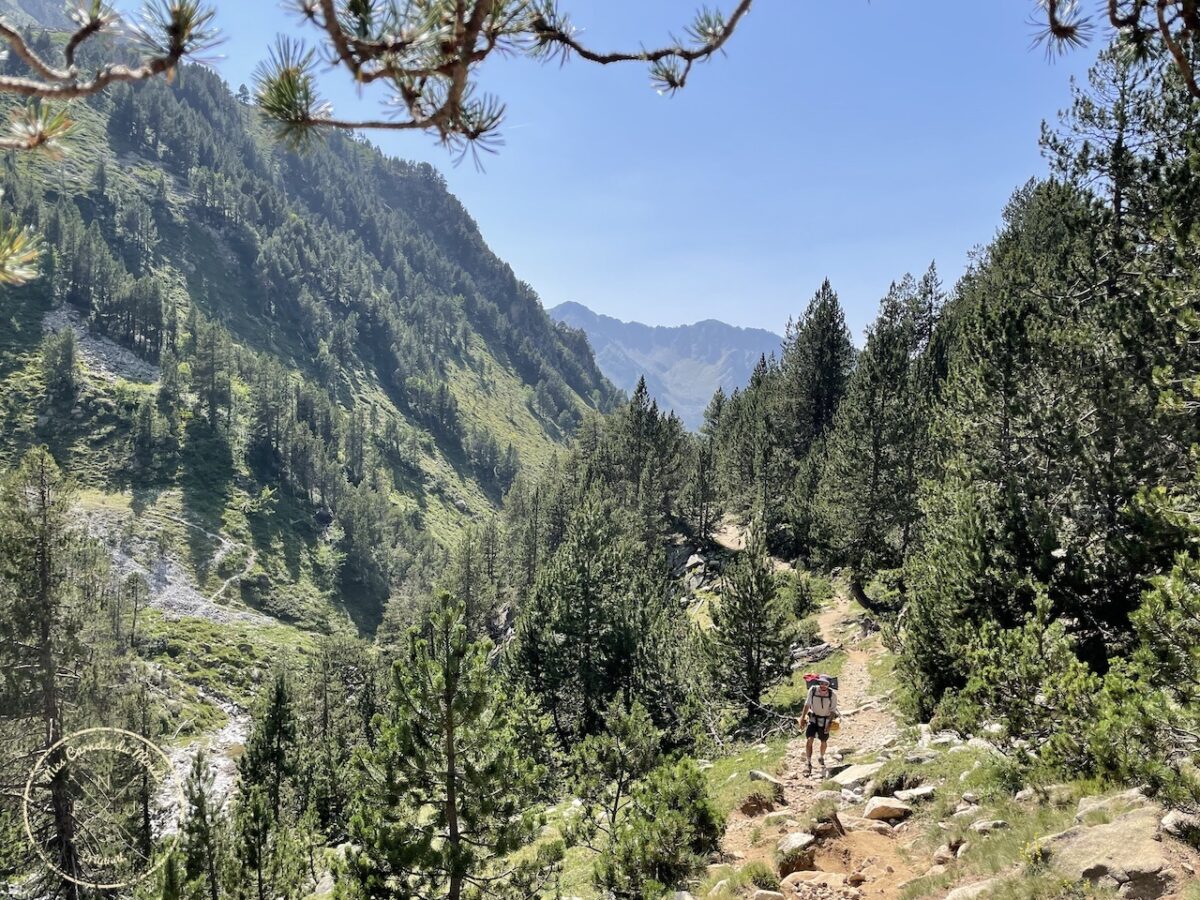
{"points": [[810, 678]]}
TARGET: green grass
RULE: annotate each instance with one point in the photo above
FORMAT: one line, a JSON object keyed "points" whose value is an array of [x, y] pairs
{"points": [[729, 778], [227, 660], [741, 882]]}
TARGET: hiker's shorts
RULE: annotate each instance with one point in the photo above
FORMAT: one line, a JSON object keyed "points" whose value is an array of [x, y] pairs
{"points": [[818, 731]]}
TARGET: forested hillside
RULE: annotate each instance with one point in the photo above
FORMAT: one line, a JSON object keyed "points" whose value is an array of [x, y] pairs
{"points": [[326, 326]]}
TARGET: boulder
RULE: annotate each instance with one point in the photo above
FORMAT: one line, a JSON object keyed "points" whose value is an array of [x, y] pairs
{"points": [[719, 887], [758, 775], [1110, 805], [987, 826], [962, 849], [796, 852], [972, 891], [777, 818], [1125, 855], [1180, 824], [918, 757], [924, 792], [828, 797], [695, 561], [853, 823], [943, 855], [886, 808], [814, 879], [853, 776], [767, 895], [682, 895]]}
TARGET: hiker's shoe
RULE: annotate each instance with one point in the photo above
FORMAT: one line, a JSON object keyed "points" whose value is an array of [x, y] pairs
{"points": [[808, 771]]}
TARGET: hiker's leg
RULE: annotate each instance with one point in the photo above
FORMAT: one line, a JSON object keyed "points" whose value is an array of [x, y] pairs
{"points": [[808, 755]]}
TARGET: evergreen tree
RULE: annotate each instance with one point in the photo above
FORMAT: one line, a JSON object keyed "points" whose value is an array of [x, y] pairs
{"points": [[751, 629], [446, 794], [201, 833]]}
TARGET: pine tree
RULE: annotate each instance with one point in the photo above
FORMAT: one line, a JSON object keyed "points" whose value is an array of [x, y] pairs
{"points": [[446, 793], [270, 756], [752, 632], [201, 833], [605, 767]]}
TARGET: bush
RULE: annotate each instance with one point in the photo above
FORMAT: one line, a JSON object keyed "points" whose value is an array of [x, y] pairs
{"points": [[672, 825], [803, 592], [759, 874]]}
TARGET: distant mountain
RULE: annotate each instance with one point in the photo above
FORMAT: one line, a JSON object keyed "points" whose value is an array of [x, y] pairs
{"points": [[23, 13], [683, 365]]}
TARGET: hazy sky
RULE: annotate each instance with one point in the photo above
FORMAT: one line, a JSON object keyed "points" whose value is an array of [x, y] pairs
{"points": [[842, 138]]}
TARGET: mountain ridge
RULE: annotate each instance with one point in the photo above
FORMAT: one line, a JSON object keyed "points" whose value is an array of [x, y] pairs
{"points": [[683, 364]]}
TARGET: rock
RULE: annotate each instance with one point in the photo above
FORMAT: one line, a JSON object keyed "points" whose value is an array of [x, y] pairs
{"points": [[919, 757], [934, 871], [972, 891], [1025, 795], [943, 855], [682, 895], [719, 887], [856, 823], [796, 852], [1110, 805], [855, 879], [828, 797], [767, 895], [978, 743], [962, 849], [924, 792], [1180, 824], [987, 826], [945, 739], [695, 561], [854, 776], [886, 808], [1124, 854], [970, 797], [324, 886], [777, 818], [757, 775]]}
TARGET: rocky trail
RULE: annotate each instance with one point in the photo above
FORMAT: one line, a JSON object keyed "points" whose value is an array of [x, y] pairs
{"points": [[870, 859], [850, 837]]}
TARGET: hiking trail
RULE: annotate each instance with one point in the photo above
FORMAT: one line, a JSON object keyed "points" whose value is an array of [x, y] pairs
{"points": [[871, 850]]}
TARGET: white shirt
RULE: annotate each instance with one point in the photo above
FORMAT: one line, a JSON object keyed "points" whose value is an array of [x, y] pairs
{"points": [[824, 707]]}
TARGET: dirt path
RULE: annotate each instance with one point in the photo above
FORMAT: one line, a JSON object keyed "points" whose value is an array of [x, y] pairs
{"points": [[868, 726]]}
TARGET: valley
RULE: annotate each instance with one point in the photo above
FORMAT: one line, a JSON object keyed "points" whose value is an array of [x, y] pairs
{"points": [[424, 591]]}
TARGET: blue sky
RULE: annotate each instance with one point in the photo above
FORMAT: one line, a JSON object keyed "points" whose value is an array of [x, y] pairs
{"points": [[842, 138]]}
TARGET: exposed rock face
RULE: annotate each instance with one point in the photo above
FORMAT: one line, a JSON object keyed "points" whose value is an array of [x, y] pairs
{"points": [[1111, 805], [1125, 855]]}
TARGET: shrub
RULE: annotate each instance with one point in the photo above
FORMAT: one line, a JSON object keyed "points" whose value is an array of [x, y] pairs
{"points": [[759, 874], [671, 826]]}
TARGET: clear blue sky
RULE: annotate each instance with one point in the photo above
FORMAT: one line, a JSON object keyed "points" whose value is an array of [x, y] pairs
{"points": [[842, 138]]}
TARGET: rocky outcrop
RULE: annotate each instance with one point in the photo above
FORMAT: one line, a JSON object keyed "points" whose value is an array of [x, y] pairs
{"points": [[1125, 854]]}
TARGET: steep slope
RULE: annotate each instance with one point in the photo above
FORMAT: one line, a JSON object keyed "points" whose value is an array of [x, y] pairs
{"points": [[683, 365], [313, 356]]}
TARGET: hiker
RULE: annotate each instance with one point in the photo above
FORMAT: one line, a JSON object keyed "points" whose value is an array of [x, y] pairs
{"points": [[820, 710]]}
